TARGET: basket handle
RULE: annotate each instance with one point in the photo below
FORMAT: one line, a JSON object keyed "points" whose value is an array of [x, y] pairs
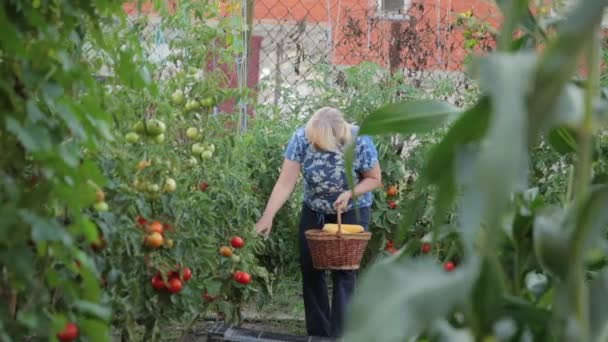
{"points": [[339, 216]]}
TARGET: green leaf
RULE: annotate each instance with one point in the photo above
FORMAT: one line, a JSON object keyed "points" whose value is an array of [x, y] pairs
{"points": [[560, 61], [33, 137], [93, 309], [408, 117], [598, 310], [469, 128], [44, 229], [551, 241], [487, 296], [517, 12], [563, 140], [525, 312], [503, 158], [593, 217], [95, 330], [399, 299]]}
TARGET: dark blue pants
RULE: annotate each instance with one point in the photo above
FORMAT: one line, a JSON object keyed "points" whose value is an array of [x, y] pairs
{"points": [[320, 319]]}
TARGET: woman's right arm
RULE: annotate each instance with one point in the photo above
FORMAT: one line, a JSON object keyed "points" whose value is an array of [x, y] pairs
{"points": [[281, 192]]}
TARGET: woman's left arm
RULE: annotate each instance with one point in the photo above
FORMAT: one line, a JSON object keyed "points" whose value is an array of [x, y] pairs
{"points": [[370, 180]]}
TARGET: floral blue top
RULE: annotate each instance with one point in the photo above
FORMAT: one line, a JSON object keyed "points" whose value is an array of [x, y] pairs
{"points": [[324, 172]]}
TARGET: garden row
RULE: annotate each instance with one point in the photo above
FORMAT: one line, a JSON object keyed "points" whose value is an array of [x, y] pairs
{"points": [[130, 204]]}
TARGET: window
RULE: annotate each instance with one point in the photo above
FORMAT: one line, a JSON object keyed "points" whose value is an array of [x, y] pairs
{"points": [[393, 9]]}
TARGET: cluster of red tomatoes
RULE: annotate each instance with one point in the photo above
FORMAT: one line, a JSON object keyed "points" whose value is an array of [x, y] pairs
{"points": [[155, 233], [175, 280], [236, 242], [391, 191], [449, 266]]}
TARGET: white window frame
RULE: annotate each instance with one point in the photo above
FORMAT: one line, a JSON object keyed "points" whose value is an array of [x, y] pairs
{"points": [[391, 15]]}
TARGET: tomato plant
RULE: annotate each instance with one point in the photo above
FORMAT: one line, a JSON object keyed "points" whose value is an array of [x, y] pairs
{"points": [[519, 266]]}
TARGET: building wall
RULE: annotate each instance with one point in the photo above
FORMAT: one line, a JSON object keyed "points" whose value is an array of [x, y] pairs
{"points": [[356, 34]]}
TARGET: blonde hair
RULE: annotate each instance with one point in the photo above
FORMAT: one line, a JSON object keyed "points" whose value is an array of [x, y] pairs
{"points": [[327, 130]]}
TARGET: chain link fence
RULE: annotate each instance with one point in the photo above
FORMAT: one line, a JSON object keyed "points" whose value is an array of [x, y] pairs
{"points": [[296, 43], [428, 42]]}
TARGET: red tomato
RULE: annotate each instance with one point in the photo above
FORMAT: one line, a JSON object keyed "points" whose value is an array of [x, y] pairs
{"points": [[140, 220], [449, 266], [69, 333], [392, 204], [426, 247], [186, 274], [242, 277], [175, 285], [155, 227], [157, 282], [203, 186], [208, 297], [237, 242], [389, 244]]}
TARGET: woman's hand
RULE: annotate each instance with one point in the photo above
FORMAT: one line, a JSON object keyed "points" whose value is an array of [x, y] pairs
{"points": [[342, 200], [264, 225]]}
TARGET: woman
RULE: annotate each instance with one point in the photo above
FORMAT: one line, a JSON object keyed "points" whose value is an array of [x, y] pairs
{"points": [[317, 149]]}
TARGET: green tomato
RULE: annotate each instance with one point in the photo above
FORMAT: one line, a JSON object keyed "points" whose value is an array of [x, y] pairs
{"points": [[177, 97], [206, 154], [155, 127], [236, 258], [160, 138], [132, 137], [207, 102], [192, 161], [170, 185], [153, 188], [139, 127], [198, 148], [192, 132], [101, 206], [211, 148], [192, 105]]}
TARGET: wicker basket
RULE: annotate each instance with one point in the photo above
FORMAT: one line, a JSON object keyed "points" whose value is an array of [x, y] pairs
{"points": [[340, 251]]}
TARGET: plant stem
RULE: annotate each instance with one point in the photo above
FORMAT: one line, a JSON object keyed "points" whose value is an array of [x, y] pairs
{"points": [[576, 281]]}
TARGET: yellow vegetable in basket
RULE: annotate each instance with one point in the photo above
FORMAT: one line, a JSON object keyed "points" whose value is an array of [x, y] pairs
{"points": [[346, 228]]}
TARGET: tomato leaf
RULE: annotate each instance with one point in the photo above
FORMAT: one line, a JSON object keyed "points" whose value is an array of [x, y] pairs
{"points": [[551, 241], [560, 60], [400, 298], [563, 140], [470, 127], [598, 288], [93, 309], [408, 117]]}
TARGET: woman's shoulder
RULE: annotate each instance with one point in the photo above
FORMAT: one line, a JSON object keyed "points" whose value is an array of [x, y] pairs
{"points": [[360, 139], [300, 134]]}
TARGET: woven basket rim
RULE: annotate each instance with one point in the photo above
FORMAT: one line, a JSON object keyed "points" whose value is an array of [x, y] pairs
{"points": [[317, 234]]}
